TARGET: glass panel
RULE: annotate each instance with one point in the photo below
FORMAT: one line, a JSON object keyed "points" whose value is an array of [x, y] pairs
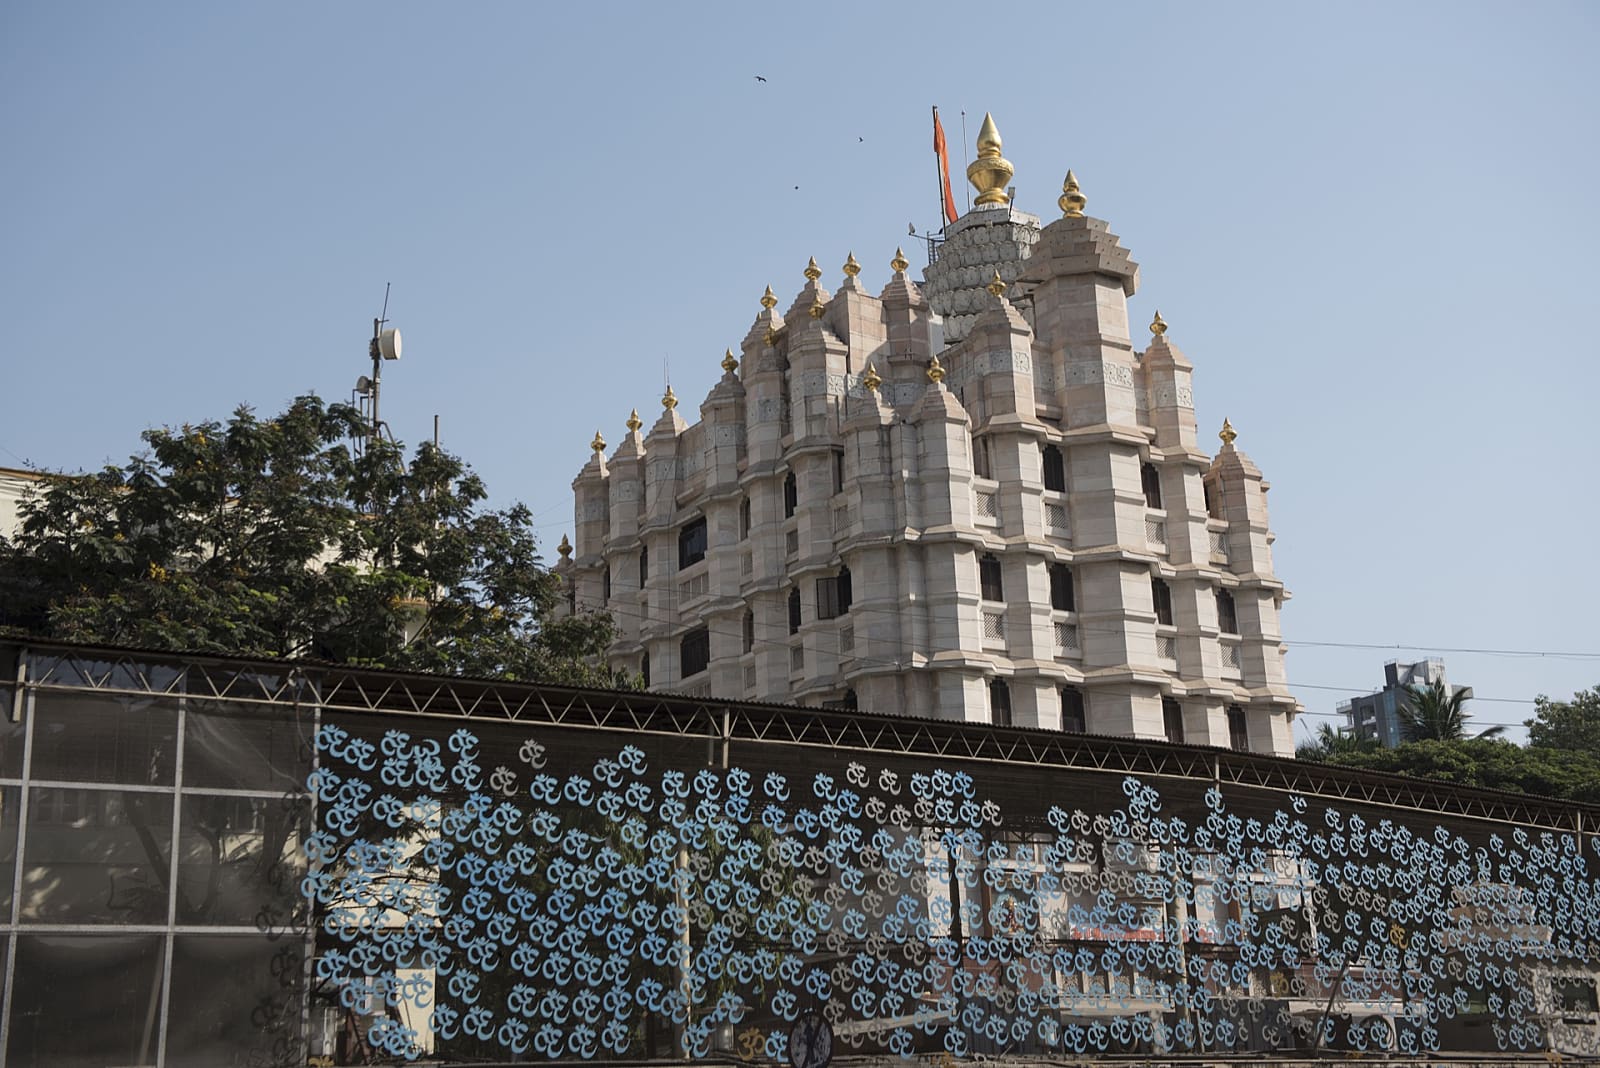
{"points": [[235, 1000], [84, 738], [10, 808], [86, 1001], [239, 860], [243, 747], [96, 856]]}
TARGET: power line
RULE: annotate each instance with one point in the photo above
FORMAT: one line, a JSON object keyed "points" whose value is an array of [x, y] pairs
{"points": [[1450, 649]]}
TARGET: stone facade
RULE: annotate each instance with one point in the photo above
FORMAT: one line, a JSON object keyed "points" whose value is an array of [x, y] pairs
{"points": [[1032, 536]]}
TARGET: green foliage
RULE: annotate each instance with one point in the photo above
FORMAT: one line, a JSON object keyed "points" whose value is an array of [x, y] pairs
{"points": [[1328, 744], [1433, 713], [272, 538], [1573, 724], [1493, 763]]}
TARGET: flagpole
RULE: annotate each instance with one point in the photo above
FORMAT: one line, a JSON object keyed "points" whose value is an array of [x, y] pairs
{"points": [[938, 168]]}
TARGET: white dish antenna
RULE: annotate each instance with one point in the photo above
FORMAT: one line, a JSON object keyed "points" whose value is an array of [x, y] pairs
{"points": [[389, 344]]}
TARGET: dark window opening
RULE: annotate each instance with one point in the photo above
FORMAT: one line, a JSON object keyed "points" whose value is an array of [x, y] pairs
{"points": [[605, 585], [1172, 719], [999, 703], [1238, 731], [644, 567], [1055, 472], [1213, 506], [644, 669], [980, 458], [833, 595], [791, 495], [1161, 597], [749, 631], [1151, 479], [1062, 595], [695, 651], [838, 472], [1072, 714], [990, 587], [794, 611], [692, 543], [1227, 617], [850, 701], [744, 519]]}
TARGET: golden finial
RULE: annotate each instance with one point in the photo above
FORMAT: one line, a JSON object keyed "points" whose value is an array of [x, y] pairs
{"points": [[599, 443], [634, 422], [935, 371], [989, 173], [1071, 199], [817, 310], [565, 548], [1158, 325], [769, 299], [729, 364], [851, 267], [871, 379], [669, 399], [1227, 433], [773, 334], [813, 272], [997, 285], [899, 263]]}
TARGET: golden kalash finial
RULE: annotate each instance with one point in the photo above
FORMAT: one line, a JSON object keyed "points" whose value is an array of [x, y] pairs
{"points": [[997, 285], [729, 364], [989, 173], [935, 371], [1158, 325], [634, 422], [899, 263], [871, 379], [851, 267], [669, 399], [565, 548], [599, 443], [1227, 433], [817, 309], [1071, 199], [813, 272], [769, 299]]}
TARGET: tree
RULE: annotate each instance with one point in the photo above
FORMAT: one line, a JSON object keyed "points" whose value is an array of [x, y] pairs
{"points": [[274, 538], [1572, 725], [1434, 713], [1494, 763], [1329, 744]]}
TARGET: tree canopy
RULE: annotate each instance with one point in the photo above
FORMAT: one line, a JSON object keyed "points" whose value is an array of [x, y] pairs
{"points": [[1493, 763], [1433, 713], [1573, 724], [276, 538]]}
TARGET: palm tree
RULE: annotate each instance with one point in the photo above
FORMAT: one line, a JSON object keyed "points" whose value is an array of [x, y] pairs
{"points": [[1329, 744], [1433, 713]]}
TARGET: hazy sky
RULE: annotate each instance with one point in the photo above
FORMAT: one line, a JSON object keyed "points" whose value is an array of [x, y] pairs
{"points": [[1370, 226]]}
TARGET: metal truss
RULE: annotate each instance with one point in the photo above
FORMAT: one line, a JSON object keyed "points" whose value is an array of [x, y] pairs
{"points": [[46, 665]]}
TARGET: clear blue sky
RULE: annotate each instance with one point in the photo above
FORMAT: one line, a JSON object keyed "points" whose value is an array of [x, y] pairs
{"points": [[1370, 226]]}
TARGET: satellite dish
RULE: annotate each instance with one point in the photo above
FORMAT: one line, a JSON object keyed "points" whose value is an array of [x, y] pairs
{"points": [[363, 384], [389, 344]]}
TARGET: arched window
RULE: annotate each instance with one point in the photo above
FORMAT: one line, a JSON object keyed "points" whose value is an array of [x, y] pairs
{"points": [[1238, 729], [999, 703], [990, 586], [1150, 478], [794, 611], [1227, 617], [1062, 596], [1161, 598], [1055, 472], [791, 495], [1172, 719]]}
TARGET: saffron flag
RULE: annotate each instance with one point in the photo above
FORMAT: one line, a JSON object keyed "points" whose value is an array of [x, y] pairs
{"points": [[946, 198]]}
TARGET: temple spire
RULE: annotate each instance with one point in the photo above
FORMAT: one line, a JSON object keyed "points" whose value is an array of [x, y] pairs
{"points": [[989, 173]]}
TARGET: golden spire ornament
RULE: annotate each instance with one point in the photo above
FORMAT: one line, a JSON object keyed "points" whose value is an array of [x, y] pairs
{"points": [[1071, 199], [997, 285], [599, 443], [899, 263], [871, 379], [851, 267], [669, 399], [817, 309], [1158, 325], [769, 299], [729, 364], [565, 548], [1227, 432], [813, 272], [989, 173], [935, 371], [634, 422]]}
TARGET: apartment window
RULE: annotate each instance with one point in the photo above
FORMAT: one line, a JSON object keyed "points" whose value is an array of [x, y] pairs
{"points": [[1227, 617], [749, 631], [999, 703], [605, 585], [833, 595], [744, 519], [695, 651], [1172, 719], [1061, 592], [980, 458], [1238, 732], [794, 611], [1161, 597], [692, 543], [1151, 480], [838, 472], [644, 567], [644, 669], [791, 495], [990, 587], [1072, 715], [1055, 472]]}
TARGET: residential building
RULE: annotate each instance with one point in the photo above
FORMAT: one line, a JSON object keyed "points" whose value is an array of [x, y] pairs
{"points": [[1377, 715]]}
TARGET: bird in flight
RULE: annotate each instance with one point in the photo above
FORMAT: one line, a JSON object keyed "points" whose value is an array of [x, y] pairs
{"points": [[861, 139], [759, 78]]}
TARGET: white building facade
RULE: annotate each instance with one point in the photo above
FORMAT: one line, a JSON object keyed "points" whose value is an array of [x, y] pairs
{"points": [[970, 499]]}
